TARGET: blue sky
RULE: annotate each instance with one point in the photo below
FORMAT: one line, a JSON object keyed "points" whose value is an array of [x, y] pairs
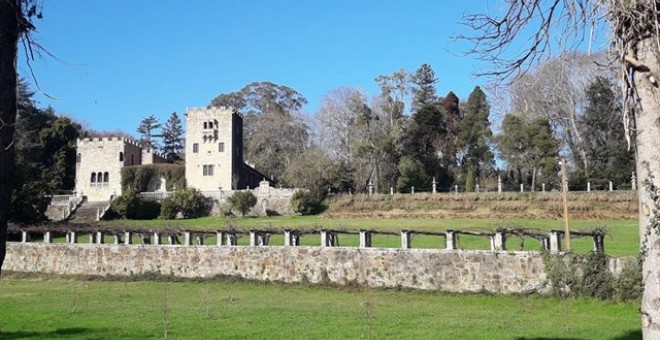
{"points": [[124, 60]]}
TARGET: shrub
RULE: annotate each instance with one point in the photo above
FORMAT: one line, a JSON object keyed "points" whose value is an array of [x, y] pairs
{"points": [[130, 206], [137, 177], [242, 201], [189, 202], [629, 284], [305, 203]]}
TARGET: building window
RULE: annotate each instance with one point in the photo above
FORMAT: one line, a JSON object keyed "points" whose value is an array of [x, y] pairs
{"points": [[106, 177], [93, 179], [121, 156], [208, 170], [78, 157], [99, 177], [195, 148], [205, 125], [221, 147]]}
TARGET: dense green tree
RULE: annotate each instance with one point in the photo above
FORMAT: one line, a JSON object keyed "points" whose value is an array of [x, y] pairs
{"points": [[474, 137], [423, 88], [412, 174], [530, 149], [424, 135], [146, 130], [173, 139], [607, 153], [274, 130], [450, 108]]}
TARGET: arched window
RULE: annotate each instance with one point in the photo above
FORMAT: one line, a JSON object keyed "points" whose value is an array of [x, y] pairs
{"points": [[121, 156], [106, 177], [93, 179], [99, 177]]}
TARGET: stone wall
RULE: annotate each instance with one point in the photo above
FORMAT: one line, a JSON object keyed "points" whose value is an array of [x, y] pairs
{"points": [[429, 269]]}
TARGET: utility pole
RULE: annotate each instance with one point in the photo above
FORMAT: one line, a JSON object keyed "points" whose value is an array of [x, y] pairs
{"points": [[564, 189]]}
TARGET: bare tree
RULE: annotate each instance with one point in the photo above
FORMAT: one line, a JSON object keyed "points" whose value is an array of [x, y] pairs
{"points": [[562, 25]]}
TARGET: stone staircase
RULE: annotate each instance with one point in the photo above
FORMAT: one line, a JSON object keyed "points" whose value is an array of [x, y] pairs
{"points": [[87, 211]]}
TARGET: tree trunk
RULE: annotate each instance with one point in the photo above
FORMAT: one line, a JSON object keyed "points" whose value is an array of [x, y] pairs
{"points": [[10, 11], [647, 140], [534, 170]]}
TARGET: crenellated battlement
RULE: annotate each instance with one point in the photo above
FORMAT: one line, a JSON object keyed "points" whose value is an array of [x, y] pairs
{"points": [[103, 140], [212, 110]]}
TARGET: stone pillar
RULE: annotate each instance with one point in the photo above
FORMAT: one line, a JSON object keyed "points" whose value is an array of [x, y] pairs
{"points": [[291, 238], [171, 239], [128, 237], [99, 237], [116, 238], [92, 238], [545, 244], [611, 186], [391, 191], [498, 241], [73, 237], [220, 238], [633, 182], [434, 185], [145, 239], [555, 242], [48, 237], [405, 239], [588, 186], [599, 243], [253, 238], [499, 184], [232, 240], [371, 188], [187, 238], [451, 240], [199, 238], [365, 239], [412, 190], [476, 188], [24, 236], [324, 238], [522, 187], [456, 189], [543, 187], [156, 238], [329, 239]]}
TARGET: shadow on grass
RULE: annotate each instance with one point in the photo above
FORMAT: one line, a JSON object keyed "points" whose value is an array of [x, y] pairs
{"points": [[630, 335], [63, 333]]}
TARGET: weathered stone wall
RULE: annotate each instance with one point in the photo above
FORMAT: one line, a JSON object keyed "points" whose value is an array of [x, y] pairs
{"points": [[210, 142], [429, 269]]}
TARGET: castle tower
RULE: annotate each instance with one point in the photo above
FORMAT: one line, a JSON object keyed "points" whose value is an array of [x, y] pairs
{"points": [[98, 165], [214, 148]]}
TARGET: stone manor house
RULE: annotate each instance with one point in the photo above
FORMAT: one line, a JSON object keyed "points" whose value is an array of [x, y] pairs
{"points": [[213, 160]]}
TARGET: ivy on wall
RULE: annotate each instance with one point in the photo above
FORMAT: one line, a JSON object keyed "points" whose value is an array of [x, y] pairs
{"points": [[138, 177]]}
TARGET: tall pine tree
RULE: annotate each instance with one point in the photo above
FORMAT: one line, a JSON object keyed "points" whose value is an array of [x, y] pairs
{"points": [[423, 88], [608, 157], [146, 128], [474, 137], [172, 139]]}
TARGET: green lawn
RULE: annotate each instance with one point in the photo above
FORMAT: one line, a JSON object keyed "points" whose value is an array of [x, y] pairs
{"points": [[60, 309], [623, 239]]}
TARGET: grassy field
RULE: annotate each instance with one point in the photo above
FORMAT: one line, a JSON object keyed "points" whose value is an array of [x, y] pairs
{"points": [[622, 239], [62, 309]]}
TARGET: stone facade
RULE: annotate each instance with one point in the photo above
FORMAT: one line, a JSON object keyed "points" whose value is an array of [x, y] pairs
{"points": [[99, 162], [429, 269], [214, 157], [214, 151]]}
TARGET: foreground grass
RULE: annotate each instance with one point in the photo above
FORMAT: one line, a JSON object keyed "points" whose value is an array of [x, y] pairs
{"points": [[622, 239], [216, 309]]}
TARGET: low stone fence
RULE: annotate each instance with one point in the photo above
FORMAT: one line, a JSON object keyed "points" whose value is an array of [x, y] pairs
{"points": [[429, 269]]}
